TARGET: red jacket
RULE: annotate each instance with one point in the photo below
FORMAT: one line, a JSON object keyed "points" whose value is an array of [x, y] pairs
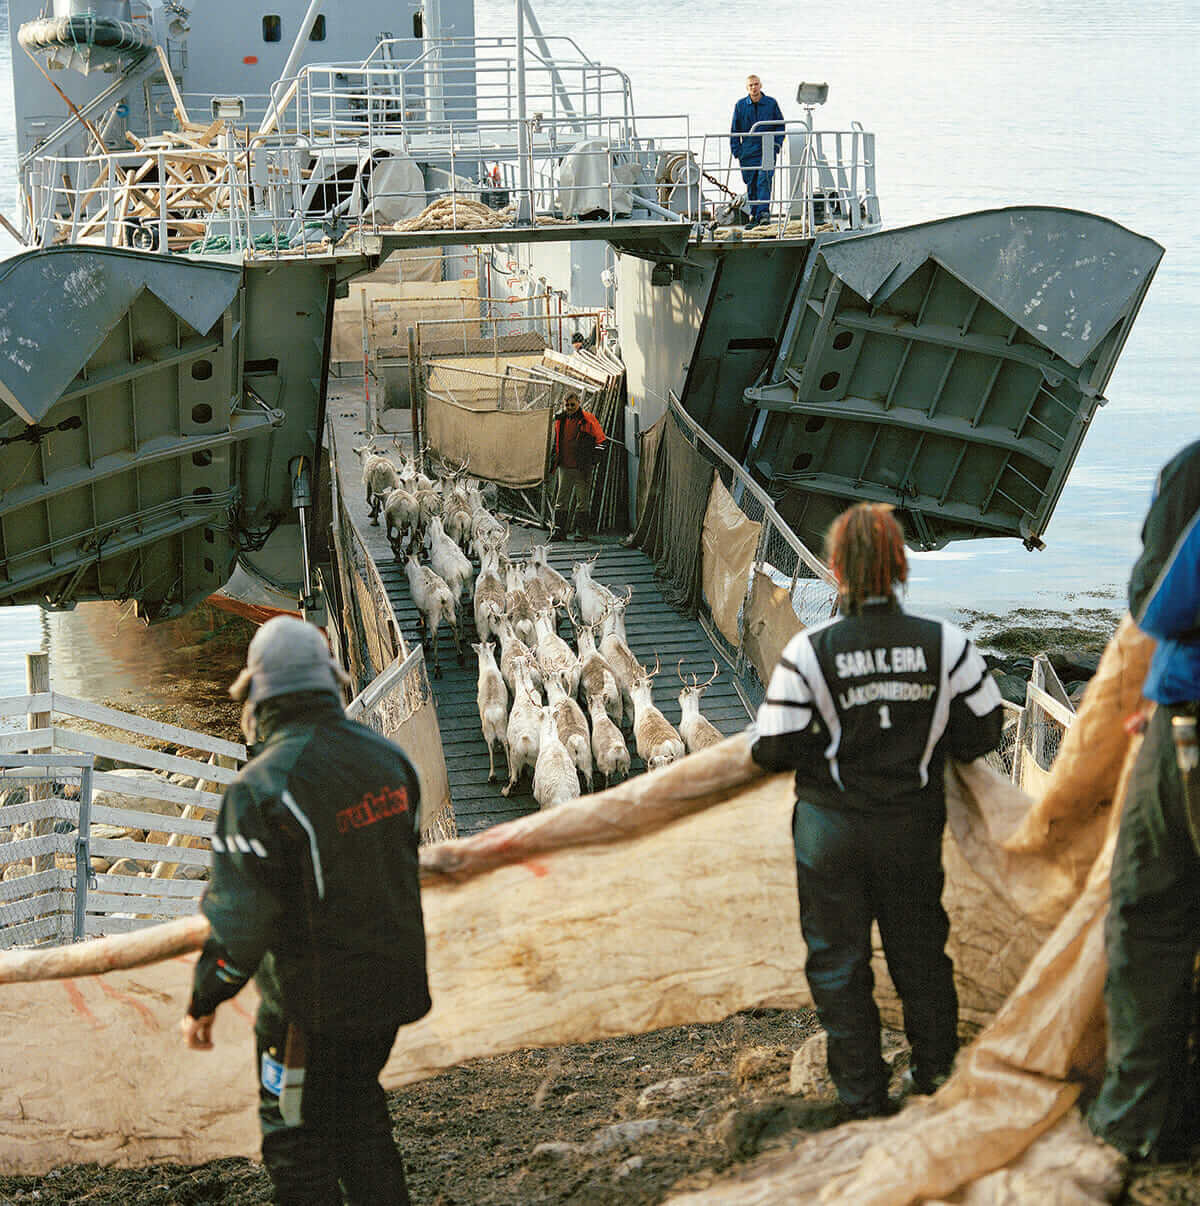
{"points": [[576, 437]]}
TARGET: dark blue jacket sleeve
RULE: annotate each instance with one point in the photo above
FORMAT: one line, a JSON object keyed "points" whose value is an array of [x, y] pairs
{"points": [[736, 127], [1164, 588], [777, 116]]}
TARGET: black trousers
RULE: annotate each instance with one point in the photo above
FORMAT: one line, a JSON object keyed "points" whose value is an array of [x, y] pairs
{"points": [[855, 868], [1148, 1103], [343, 1145]]}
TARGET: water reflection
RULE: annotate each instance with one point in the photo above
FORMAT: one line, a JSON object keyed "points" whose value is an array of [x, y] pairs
{"points": [[102, 651]]}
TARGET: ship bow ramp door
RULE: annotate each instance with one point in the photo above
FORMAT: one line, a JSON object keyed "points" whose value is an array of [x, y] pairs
{"points": [[121, 378], [950, 368]]}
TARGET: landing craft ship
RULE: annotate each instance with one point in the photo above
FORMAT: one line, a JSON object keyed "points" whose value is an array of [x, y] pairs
{"points": [[201, 186]]}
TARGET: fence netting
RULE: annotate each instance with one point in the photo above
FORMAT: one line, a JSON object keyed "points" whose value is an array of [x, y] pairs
{"points": [[399, 705], [723, 550]]}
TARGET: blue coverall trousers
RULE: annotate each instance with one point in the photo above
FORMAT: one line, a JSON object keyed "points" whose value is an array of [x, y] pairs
{"points": [[1148, 1105], [758, 190]]}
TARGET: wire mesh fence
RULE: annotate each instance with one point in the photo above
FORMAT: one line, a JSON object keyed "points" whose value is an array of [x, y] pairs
{"points": [[781, 561], [399, 705]]}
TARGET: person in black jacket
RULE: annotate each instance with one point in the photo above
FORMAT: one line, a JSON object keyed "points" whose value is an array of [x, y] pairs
{"points": [[1149, 1103], [865, 708], [314, 892]]}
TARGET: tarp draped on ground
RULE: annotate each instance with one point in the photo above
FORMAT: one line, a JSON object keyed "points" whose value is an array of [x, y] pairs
{"points": [[667, 900]]}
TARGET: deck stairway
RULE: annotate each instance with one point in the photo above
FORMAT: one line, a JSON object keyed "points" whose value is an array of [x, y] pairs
{"points": [[652, 626]]}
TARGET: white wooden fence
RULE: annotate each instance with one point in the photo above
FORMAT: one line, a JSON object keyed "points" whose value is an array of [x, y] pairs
{"points": [[1034, 732], [66, 826]]}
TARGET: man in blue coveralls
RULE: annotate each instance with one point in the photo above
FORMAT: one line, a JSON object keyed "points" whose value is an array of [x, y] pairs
{"points": [[755, 107], [1148, 1106]]}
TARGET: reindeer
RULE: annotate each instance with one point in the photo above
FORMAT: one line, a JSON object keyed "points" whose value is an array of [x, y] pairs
{"points": [[698, 733], [595, 674], [490, 596], [594, 599], [525, 728], [554, 777], [608, 746], [658, 744], [492, 698], [402, 513], [572, 726], [518, 608], [435, 602], [557, 587], [512, 648], [625, 667], [554, 655], [379, 476]]}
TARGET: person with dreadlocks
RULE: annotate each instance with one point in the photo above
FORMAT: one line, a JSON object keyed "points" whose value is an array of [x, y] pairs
{"points": [[865, 708]]}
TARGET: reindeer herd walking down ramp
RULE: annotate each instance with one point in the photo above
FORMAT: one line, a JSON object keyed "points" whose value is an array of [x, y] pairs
{"points": [[515, 602], [653, 628]]}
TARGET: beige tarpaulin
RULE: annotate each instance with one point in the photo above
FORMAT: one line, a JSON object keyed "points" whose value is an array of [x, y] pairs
{"points": [[504, 446], [393, 306], [669, 899], [728, 545], [770, 622]]}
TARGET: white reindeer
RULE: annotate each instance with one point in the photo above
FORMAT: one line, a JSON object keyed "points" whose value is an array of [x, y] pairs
{"points": [[518, 608], [435, 603], [512, 648], [608, 745], [698, 732], [594, 599], [492, 698], [595, 674], [658, 744], [489, 595], [525, 728], [554, 655], [401, 512], [379, 476], [554, 778], [625, 667], [557, 587], [447, 558], [572, 726]]}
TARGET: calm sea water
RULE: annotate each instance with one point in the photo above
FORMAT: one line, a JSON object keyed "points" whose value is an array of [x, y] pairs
{"points": [[1085, 105]]}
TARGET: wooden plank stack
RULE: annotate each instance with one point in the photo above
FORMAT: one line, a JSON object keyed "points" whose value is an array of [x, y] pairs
{"points": [[183, 177]]}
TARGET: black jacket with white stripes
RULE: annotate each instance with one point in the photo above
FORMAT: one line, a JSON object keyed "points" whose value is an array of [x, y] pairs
{"points": [[866, 707], [314, 883]]}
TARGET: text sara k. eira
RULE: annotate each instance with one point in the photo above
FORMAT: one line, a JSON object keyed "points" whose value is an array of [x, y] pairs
{"points": [[900, 659]]}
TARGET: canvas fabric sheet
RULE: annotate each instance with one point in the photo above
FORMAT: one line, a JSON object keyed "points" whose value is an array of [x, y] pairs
{"points": [[681, 907], [769, 623], [503, 446], [728, 544]]}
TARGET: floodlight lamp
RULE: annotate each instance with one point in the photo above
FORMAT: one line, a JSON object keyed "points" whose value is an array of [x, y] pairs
{"points": [[812, 94], [228, 108]]}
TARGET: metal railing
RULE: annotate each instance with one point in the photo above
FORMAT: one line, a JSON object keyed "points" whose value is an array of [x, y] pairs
{"points": [[311, 172], [780, 555], [368, 623]]}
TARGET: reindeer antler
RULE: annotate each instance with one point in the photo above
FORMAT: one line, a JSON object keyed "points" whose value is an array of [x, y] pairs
{"points": [[704, 686]]}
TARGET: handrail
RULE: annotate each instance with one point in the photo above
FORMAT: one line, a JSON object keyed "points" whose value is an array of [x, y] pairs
{"points": [[749, 486]]}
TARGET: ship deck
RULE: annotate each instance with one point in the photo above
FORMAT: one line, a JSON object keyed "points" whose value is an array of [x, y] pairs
{"points": [[652, 627]]}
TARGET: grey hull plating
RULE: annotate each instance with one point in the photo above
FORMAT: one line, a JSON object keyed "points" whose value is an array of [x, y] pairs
{"points": [[155, 406], [950, 368]]}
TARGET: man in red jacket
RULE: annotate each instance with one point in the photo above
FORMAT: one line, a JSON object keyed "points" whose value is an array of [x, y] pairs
{"points": [[578, 441]]}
